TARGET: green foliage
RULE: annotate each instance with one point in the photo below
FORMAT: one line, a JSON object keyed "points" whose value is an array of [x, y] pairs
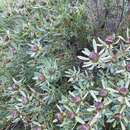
{"points": [[100, 100]]}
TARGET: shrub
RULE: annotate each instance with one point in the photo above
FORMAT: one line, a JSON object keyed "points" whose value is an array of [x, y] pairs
{"points": [[100, 97]]}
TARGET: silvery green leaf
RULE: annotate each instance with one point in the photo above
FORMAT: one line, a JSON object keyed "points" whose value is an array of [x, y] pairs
{"points": [[123, 126], [17, 82], [127, 33], [101, 41], [67, 107], [127, 83], [85, 96], [111, 90], [120, 99], [126, 120], [36, 123], [121, 83], [95, 45], [72, 94], [104, 84], [59, 108], [95, 119], [93, 95], [123, 108], [127, 102], [22, 93], [91, 109], [122, 38], [16, 120], [83, 58], [110, 120], [78, 119], [114, 124], [107, 102]]}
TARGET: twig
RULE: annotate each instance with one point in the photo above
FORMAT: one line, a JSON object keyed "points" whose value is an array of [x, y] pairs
{"points": [[121, 17], [40, 94]]}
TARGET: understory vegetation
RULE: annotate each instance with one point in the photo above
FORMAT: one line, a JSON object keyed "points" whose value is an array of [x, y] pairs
{"points": [[65, 65]]}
